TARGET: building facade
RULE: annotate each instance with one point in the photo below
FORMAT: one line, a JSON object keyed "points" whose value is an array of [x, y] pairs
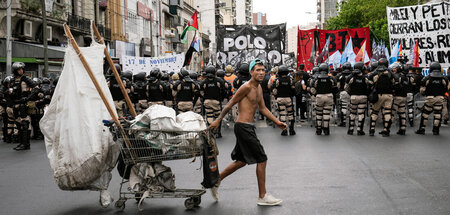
{"points": [[325, 10], [259, 18], [244, 12]]}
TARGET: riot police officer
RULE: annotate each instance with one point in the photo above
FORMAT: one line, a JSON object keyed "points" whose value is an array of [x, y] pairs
{"points": [[168, 97], [357, 87], [434, 88], [344, 98], [323, 87], [140, 92], [21, 91], [243, 76], [184, 91], [198, 100], [116, 92], [36, 107], [7, 101], [283, 88], [400, 93], [412, 89], [213, 90], [155, 88], [383, 81]]}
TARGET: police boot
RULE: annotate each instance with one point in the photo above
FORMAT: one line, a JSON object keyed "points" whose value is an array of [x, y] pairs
{"points": [[326, 131], [361, 130], [291, 128], [24, 141], [435, 130], [401, 132], [318, 130], [386, 132], [342, 123], [421, 127], [411, 122]]}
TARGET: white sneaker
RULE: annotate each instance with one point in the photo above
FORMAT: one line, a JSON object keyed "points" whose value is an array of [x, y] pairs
{"points": [[269, 200], [215, 191]]}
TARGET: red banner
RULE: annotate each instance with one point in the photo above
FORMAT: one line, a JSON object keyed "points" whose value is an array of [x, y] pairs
{"points": [[338, 41]]}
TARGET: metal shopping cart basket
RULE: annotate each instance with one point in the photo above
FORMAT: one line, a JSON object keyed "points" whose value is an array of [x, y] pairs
{"points": [[149, 146]]}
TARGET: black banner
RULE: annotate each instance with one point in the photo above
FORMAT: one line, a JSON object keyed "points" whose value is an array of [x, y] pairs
{"points": [[243, 43]]}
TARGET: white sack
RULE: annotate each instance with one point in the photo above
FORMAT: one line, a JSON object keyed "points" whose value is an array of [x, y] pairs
{"points": [[190, 121], [157, 117], [80, 149]]}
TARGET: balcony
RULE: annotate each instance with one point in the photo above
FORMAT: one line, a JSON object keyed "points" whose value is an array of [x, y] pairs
{"points": [[105, 32], [79, 23]]}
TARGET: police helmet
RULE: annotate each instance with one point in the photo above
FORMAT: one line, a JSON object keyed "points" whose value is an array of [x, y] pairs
{"points": [[315, 70], [210, 71], [16, 66], [165, 76], [243, 69], [323, 70], [193, 75], [220, 73], [46, 81], [128, 75], [283, 70], [37, 81], [184, 74], [358, 68], [373, 65], [8, 80], [435, 69], [347, 66], [382, 64], [140, 76]]}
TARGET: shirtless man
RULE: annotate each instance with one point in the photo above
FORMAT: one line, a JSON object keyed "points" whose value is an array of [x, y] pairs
{"points": [[248, 149]]}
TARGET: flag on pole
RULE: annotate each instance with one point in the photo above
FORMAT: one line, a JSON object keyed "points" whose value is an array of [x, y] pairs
{"points": [[324, 51], [335, 59], [195, 47], [400, 51], [416, 54], [348, 51], [312, 58], [394, 53], [192, 25], [362, 53]]}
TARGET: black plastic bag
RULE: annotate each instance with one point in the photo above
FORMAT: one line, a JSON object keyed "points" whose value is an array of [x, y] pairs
{"points": [[210, 166]]}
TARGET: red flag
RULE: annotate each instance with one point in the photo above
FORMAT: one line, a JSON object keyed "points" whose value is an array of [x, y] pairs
{"points": [[416, 54], [400, 51], [360, 56]]}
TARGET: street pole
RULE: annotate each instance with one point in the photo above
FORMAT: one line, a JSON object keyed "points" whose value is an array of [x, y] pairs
{"points": [[8, 38], [44, 32]]}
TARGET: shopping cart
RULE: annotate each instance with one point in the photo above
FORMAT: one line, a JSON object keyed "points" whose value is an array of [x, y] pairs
{"points": [[149, 146]]}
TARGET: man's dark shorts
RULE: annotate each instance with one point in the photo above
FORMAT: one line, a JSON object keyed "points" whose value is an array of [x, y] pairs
{"points": [[248, 149]]}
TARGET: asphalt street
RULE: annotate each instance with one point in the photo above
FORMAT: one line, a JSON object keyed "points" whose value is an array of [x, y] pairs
{"points": [[336, 174]]}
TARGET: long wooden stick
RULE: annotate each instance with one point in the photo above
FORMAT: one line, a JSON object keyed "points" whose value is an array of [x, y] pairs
{"points": [[116, 74], [97, 86]]}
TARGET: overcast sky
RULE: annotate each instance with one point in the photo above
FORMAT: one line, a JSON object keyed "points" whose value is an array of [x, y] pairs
{"points": [[293, 12]]}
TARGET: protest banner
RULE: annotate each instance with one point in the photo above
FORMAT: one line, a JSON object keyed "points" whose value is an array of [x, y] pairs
{"points": [[338, 40], [429, 24], [171, 63], [243, 43]]}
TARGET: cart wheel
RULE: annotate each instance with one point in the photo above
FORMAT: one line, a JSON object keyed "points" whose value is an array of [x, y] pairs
{"points": [[189, 203], [120, 204], [138, 196], [197, 200]]}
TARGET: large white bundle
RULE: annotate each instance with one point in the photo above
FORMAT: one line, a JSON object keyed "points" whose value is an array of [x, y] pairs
{"points": [[80, 149]]}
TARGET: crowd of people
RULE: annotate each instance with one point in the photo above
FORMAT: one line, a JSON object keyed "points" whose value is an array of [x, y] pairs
{"points": [[350, 92]]}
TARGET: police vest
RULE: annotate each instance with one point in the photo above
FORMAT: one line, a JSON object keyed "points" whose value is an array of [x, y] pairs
{"points": [[324, 85], [435, 87], [212, 89], [140, 90], [284, 88], [401, 88], [186, 92], [384, 83], [115, 90], [155, 92], [342, 80], [358, 86]]}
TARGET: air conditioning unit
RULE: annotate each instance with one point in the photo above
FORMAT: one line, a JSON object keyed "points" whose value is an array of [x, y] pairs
{"points": [[49, 33], [27, 28]]}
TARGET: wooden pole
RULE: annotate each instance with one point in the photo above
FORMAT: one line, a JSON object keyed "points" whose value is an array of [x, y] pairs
{"points": [[116, 74], [97, 86]]}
